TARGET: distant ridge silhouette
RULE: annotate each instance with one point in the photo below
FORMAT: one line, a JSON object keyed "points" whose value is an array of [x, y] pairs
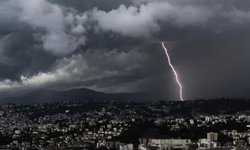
{"points": [[82, 94]]}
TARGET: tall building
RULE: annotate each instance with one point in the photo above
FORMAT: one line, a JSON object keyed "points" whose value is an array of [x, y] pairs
{"points": [[213, 136]]}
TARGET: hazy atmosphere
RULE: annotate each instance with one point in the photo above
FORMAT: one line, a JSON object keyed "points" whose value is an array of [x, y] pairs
{"points": [[115, 46]]}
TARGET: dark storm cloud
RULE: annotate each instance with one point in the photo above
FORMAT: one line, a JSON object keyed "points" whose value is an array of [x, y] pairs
{"points": [[220, 70], [85, 5], [21, 57], [112, 45]]}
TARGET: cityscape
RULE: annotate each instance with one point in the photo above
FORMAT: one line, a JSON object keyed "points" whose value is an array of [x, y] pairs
{"points": [[124, 75], [129, 125]]}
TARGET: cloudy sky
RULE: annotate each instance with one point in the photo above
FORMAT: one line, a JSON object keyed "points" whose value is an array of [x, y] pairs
{"points": [[114, 46]]}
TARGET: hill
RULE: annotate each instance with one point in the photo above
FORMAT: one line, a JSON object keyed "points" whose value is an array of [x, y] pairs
{"points": [[44, 96]]}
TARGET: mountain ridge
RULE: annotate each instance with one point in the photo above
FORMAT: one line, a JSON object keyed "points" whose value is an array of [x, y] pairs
{"points": [[79, 94]]}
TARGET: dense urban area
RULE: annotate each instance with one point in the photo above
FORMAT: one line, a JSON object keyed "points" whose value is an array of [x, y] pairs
{"points": [[190, 125]]}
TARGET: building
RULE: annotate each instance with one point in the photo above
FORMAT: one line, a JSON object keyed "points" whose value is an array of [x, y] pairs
{"points": [[165, 143], [207, 144], [212, 136], [126, 147], [8, 148]]}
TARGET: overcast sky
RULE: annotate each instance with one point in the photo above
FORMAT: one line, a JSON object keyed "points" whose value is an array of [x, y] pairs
{"points": [[114, 46]]}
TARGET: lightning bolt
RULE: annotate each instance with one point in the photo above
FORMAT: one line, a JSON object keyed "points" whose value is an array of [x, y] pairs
{"points": [[175, 73]]}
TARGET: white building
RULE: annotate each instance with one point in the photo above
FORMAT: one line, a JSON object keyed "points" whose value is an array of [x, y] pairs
{"points": [[126, 147], [207, 118], [206, 144], [165, 144]]}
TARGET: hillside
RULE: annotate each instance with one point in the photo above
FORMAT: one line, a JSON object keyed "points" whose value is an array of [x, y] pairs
{"points": [[44, 96]]}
